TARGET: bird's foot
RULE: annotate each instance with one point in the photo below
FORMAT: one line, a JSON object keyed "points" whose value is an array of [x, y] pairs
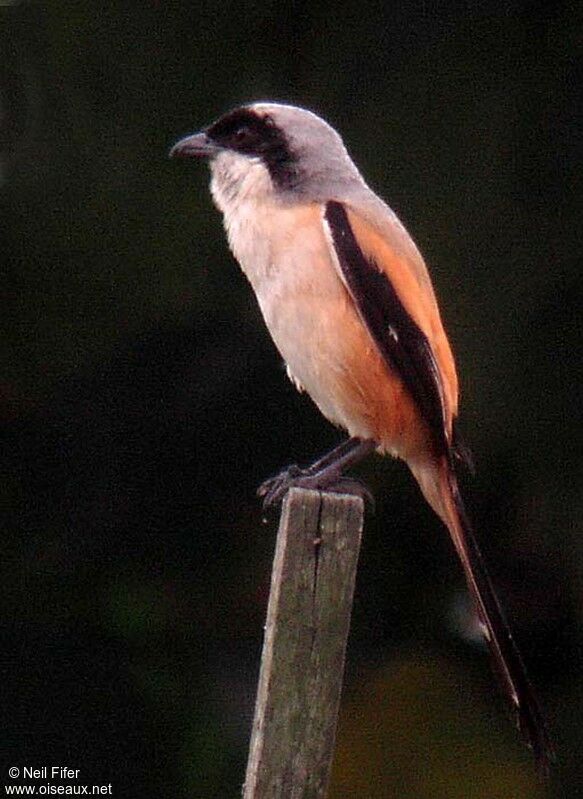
{"points": [[275, 488]]}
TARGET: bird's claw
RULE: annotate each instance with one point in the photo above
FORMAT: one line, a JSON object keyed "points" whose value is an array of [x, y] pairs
{"points": [[273, 490], [355, 488]]}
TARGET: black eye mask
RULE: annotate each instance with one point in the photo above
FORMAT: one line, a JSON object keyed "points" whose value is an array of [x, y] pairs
{"points": [[248, 133]]}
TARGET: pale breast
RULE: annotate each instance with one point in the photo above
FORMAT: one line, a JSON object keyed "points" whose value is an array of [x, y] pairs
{"points": [[312, 320]]}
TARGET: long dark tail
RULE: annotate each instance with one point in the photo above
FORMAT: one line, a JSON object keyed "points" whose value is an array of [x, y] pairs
{"points": [[440, 487]]}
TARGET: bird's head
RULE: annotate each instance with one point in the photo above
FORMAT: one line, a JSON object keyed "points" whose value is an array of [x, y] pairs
{"points": [[271, 151]]}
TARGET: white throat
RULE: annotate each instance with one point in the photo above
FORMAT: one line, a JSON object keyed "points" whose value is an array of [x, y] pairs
{"points": [[243, 191], [236, 179]]}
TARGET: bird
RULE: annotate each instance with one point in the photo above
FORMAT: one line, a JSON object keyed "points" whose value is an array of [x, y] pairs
{"points": [[350, 305]]}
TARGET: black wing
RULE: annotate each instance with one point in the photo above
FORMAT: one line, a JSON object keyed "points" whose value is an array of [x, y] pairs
{"points": [[403, 345]]}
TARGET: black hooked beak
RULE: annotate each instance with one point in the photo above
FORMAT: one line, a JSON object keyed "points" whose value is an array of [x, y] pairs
{"points": [[196, 146]]}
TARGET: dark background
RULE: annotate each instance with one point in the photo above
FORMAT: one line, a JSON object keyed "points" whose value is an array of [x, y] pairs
{"points": [[142, 400]]}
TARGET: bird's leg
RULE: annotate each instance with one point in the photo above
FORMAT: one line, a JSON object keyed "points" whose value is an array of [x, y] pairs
{"points": [[324, 474], [335, 455]]}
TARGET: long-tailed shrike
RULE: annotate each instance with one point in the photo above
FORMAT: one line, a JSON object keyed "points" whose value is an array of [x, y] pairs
{"points": [[349, 303]]}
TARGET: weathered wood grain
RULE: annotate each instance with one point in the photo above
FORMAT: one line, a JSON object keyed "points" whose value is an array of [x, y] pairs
{"points": [[302, 664]]}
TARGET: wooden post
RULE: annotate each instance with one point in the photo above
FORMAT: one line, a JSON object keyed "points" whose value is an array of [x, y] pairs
{"points": [[302, 664]]}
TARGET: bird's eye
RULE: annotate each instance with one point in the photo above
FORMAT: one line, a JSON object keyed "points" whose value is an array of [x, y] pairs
{"points": [[243, 136]]}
